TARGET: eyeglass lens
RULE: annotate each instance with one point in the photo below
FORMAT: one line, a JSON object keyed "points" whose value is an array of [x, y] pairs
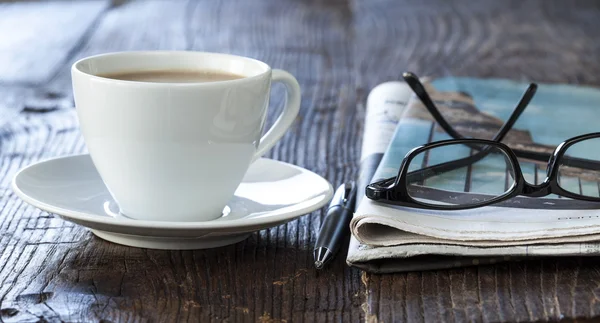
{"points": [[578, 170], [457, 174]]}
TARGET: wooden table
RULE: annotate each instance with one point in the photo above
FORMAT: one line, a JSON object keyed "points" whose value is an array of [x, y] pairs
{"points": [[52, 270]]}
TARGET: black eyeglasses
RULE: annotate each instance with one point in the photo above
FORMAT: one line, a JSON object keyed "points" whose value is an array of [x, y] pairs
{"points": [[465, 173]]}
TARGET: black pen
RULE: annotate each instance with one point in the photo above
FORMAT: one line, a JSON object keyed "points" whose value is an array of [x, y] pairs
{"points": [[336, 224]]}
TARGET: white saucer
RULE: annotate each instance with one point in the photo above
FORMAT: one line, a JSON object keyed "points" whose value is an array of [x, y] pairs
{"points": [[271, 193]]}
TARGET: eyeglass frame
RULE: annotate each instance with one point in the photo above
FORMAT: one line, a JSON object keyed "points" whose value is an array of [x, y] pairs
{"points": [[397, 192], [394, 190]]}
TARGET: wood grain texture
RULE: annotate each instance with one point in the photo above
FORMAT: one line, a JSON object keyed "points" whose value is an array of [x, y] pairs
{"points": [[36, 38], [52, 270]]}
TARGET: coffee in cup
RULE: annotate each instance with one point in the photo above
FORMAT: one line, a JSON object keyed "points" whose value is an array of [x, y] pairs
{"points": [[173, 76]]}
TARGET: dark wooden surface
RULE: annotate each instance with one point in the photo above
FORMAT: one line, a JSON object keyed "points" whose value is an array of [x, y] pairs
{"points": [[51, 270]]}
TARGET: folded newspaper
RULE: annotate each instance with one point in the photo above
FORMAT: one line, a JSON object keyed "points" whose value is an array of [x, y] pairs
{"points": [[389, 238]]}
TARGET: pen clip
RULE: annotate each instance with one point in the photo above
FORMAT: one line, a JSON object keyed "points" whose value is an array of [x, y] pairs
{"points": [[349, 188]]}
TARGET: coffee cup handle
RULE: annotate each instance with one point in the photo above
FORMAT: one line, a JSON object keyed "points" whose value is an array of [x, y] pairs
{"points": [[287, 116]]}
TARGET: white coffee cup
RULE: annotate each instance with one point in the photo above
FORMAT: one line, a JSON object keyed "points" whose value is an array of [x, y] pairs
{"points": [[177, 151]]}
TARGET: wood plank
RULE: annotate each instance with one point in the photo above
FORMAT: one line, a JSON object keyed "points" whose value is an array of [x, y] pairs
{"points": [[12, 100], [283, 26], [38, 37], [548, 41]]}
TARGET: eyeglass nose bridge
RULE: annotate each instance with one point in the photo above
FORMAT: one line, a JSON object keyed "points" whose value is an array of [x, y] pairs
{"points": [[544, 188], [541, 190]]}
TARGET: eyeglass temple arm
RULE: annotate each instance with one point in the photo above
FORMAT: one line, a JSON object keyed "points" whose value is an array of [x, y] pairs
{"points": [[533, 155], [413, 81]]}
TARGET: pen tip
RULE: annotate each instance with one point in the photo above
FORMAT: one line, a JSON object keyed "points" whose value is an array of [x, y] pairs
{"points": [[322, 256]]}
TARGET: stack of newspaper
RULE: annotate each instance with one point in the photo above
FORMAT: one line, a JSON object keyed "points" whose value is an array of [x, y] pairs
{"points": [[388, 238]]}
